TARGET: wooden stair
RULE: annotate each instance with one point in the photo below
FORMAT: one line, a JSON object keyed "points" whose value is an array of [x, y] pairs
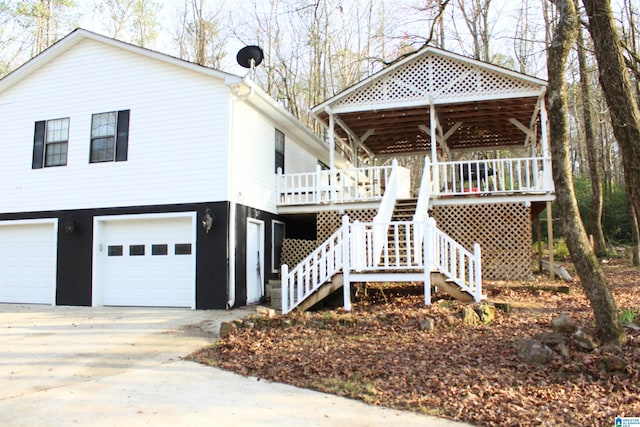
{"points": [[403, 210], [449, 287]]}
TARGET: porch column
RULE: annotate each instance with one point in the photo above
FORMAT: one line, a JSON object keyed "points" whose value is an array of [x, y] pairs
{"points": [[332, 151], [546, 155], [435, 179]]}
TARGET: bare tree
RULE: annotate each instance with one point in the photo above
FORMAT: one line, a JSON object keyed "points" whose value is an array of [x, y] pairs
{"points": [[587, 266], [131, 20], [595, 172], [199, 37], [476, 18], [618, 92], [45, 20]]}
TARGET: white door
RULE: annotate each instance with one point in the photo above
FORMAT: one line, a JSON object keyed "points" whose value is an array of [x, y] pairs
{"points": [[148, 261], [255, 263], [28, 262]]}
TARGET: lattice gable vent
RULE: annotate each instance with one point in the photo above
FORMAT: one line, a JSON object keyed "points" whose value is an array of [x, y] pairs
{"points": [[438, 77]]}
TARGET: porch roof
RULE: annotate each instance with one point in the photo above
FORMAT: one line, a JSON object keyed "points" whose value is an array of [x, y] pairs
{"points": [[476, 104]]}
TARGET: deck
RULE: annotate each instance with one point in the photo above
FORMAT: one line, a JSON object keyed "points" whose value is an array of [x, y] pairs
{"points": [[449, 183]]}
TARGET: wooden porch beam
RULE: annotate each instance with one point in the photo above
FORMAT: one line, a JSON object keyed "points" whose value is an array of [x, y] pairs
{"points": [[522, 127]]}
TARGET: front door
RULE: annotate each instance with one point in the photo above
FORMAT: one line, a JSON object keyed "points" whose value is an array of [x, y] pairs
{"points": [[255, 261]]}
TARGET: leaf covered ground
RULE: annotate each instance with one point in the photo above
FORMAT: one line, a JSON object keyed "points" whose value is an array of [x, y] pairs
{"points": [[381, 353]]}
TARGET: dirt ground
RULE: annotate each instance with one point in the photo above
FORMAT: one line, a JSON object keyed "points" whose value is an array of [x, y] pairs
{"points": [[391, 350]]}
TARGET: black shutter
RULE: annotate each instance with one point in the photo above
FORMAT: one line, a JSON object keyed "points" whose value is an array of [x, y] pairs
{"points": [[38, 145], [122, 136]]}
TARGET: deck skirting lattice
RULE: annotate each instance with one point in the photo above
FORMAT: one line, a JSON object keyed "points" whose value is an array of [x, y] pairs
{"points": [[503, 231], [328, 222], [295, 250]]}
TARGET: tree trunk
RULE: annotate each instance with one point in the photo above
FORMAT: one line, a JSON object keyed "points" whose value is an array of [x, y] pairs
{"points": [[597, 196], [587, 266], [625, 117]]}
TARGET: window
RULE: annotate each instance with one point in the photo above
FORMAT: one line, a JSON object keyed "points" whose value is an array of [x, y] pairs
{"points": [[182, 249], [50, 143], [162, 249], [109, 136], [114, 250], [277, 238], [279, 150], [136, 250]]}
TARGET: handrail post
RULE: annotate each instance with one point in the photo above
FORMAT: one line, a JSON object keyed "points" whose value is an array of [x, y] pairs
{"points": [[284, 285], [346, 285], [477, 255], [279, 185], [427, 264]]}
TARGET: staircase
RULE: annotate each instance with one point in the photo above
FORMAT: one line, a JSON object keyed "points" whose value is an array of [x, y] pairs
{"points": [[411, 251]]}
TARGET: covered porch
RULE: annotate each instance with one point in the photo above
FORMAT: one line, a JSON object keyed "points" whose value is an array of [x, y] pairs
{"points": [[458, 128]]}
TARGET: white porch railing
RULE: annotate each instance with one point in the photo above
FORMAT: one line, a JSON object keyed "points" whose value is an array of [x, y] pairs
{"points": [[352, 248], [385, 210], [494, 176], [422, 204], [338, 186]]}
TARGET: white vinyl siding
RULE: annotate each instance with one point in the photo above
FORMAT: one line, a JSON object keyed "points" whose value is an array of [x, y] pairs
{"points": [[254, 177], [178, 132]]}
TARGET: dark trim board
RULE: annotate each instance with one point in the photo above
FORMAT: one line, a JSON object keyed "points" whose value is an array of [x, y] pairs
{"points": [[75, 249]]}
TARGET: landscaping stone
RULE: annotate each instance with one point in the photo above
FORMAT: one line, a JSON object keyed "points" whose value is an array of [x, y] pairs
{"points": [[534, 352], [226, 328], [503, 306], [585, 341], [428, 324], [486, 313], [469, 316], [564, 324], [613, 363]]}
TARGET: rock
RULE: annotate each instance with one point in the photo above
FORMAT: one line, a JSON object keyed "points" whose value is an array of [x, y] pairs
{"points": [[632, 326], [269, 313], [613, 363], [551, 338], [563, 348], [503, 306], [585, 341], [226, 328], [469, 316], [564, 324], [428, 324], [486, 313], [534, 352], [452, 320]]}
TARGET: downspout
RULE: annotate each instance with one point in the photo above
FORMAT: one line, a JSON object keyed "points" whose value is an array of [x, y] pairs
{"points": [[231, 227], [231, 251]]}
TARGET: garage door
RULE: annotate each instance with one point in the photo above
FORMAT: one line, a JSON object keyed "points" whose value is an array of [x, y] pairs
{"points": [[27, 262], [148, 262]]}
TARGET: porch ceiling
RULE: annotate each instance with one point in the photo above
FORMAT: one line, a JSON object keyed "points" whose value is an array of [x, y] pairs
{"points": [[484, 124]]}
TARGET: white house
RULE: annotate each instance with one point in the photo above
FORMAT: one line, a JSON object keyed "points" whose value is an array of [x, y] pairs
{"points": [[133, 178], [129, 177]]}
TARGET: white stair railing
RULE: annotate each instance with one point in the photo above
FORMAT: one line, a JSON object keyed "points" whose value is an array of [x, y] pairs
{"points": [[444, 254], [421, 207], [353, 248], [312, 272], [385, 211]]}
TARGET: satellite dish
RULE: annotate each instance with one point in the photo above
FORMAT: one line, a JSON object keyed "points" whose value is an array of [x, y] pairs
{"points": [[250, 56]]}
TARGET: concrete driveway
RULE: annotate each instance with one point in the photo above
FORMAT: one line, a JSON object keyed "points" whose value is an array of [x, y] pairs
{"points": [[112, 366]]}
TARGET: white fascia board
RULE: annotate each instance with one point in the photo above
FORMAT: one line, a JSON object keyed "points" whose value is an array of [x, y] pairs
{"points": [[435, 101]]}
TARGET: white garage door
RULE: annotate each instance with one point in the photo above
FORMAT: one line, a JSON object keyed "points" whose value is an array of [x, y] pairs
{"points": [[27, 262], [148, 262]]}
